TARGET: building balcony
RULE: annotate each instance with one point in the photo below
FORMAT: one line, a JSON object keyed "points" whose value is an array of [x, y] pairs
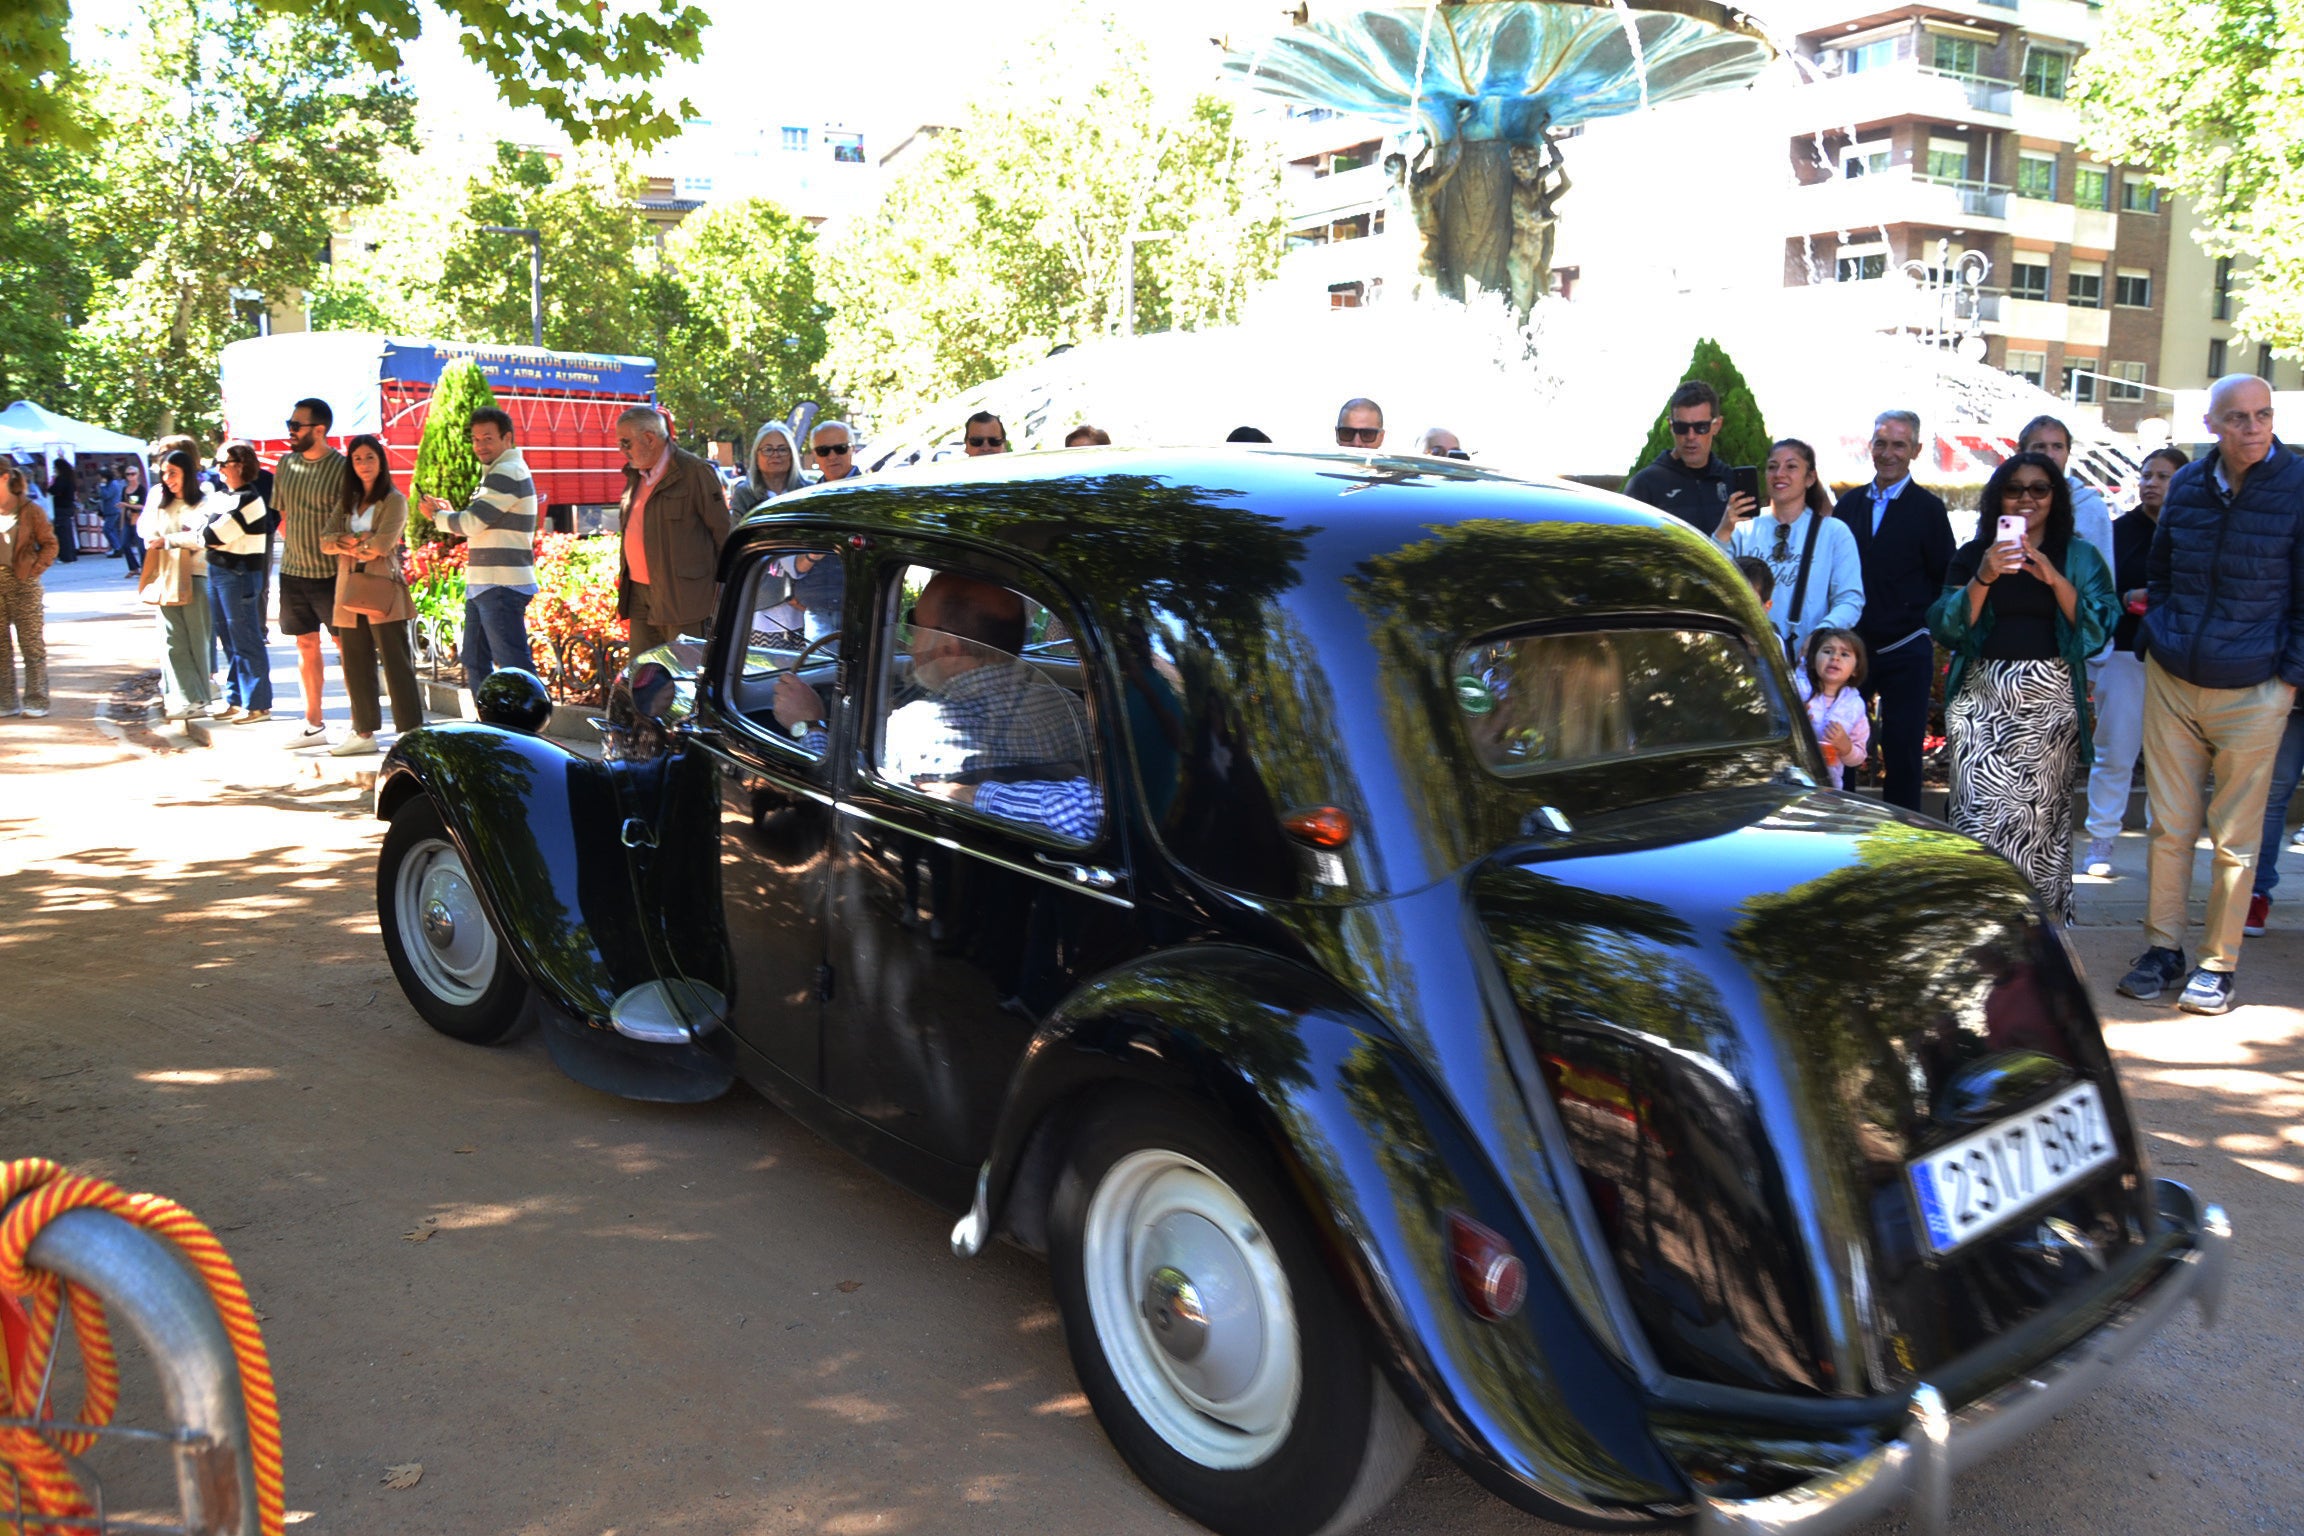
{"points": [[2036, 320], [1317, 199], [2070, 20], [1902, 90], [1896, 303], [2036, 218], [2095, 229], [1897, 195], [2044, 117]]}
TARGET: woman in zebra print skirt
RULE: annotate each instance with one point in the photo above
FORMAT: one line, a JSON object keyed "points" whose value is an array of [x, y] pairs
{"points": [[2021, 620]]}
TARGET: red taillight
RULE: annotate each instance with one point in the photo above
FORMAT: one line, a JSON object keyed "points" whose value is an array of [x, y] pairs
{"points": [[1490, 1278], [1324, 826]]}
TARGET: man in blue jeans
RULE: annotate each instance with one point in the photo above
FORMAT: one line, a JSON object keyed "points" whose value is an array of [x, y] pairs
{"points": [[500, 568], [2286, 769]]}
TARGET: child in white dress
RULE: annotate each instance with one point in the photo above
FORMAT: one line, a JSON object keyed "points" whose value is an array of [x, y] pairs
{"points": [[1829, 678]]}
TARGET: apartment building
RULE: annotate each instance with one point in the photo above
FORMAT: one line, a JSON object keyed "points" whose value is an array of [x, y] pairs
{"points": [[816, 169], [1925, 132], [1335, 196]]}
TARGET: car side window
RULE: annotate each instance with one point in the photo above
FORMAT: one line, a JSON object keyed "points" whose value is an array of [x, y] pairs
{"points": [[786, 667], [981, 703]]}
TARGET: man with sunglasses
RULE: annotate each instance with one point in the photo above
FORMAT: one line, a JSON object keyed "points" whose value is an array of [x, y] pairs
{"points": [[984, 434], [308, 490], [833, 447], [1688, 479], [1440, 443], [674, 520], [1360, 424], [2224, 655]]}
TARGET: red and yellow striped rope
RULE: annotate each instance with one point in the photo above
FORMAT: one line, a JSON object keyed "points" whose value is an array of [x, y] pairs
{"points": [[47, 1191]]}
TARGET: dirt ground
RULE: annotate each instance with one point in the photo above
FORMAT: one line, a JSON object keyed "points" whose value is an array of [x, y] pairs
{"points": [[585, 1317]]}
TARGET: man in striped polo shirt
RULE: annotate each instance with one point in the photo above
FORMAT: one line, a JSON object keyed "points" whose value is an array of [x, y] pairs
{"points": [[307, 490], [500, 571]]}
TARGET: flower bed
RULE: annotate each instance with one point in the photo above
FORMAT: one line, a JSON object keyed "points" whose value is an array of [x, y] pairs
{"points": [[575, 638]]}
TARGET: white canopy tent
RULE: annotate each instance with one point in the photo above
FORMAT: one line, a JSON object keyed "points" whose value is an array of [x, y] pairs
{"points": [[42, 427]]}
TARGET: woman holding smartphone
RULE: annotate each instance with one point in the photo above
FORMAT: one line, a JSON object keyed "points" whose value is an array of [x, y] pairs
{"points": [[1819, 578], [2025, 605]]}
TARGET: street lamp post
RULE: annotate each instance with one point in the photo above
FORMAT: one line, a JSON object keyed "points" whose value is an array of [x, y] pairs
{"points": [[535, 239]]}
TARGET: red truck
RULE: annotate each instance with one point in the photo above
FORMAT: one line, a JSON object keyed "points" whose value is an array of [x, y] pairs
{"points": [[563, 405]]}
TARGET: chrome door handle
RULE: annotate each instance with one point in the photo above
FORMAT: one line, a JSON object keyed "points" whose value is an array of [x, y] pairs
{"points": [[1093, 876], [638, 834]]}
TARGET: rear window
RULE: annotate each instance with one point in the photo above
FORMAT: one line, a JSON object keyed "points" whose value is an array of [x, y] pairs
{"points": [[1530, 703]]}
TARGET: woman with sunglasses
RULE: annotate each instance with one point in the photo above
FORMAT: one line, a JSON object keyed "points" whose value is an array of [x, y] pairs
{"points": [[2021, 617], [775, 469]]}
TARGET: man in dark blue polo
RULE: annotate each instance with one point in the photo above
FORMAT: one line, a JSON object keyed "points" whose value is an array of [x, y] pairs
{"points": [[1904, 543]]}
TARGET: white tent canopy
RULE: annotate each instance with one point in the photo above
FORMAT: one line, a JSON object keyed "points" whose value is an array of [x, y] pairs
{"points": [[42, 426]]}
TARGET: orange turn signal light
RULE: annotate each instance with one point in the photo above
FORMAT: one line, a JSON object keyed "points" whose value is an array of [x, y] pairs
{"points": [[1324, 826]]}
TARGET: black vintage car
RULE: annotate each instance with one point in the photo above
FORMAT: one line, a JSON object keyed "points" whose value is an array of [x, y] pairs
{"points": [[1374, 925]]}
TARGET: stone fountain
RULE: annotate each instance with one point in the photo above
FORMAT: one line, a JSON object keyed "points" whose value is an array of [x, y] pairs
{"points": [[1479, 88]]}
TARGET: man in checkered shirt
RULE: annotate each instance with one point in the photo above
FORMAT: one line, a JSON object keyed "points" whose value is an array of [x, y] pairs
{"points": [[982, 710]]}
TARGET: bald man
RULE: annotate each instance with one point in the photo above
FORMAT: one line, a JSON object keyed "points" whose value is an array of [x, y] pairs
{"points": [[990, 732], [2223, 637]]}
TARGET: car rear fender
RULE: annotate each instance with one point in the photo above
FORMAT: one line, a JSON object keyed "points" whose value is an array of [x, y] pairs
{"points": [[1530, 1405], [537, 827]]}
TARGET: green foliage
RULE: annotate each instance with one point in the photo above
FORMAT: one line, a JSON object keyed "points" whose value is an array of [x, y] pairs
{"points": [[595, 245], [740, 328], [583, 64], [45, 279], [445, 463], [1007, 238], [229, 148], [2208, 96], [1743, 437]]}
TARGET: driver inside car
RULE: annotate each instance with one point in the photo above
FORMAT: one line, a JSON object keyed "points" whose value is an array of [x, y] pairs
{"points": [[976, 724]]}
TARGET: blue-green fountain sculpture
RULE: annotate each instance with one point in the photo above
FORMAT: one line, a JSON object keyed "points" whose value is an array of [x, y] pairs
{"points": [[1479, 87]]}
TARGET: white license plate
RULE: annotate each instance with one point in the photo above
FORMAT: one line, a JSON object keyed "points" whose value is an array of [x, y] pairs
{"points": [[1990, 1177]]}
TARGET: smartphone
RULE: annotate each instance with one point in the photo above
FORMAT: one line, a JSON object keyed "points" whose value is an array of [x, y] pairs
{"points": [[1744, 480], [2012, 532]]}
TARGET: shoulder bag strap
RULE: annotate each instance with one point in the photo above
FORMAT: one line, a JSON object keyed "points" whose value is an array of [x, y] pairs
{"points": [[1807, 558]]}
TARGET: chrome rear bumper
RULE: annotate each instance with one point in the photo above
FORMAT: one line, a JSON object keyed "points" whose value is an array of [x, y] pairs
{"points": [[1916, 1469]]}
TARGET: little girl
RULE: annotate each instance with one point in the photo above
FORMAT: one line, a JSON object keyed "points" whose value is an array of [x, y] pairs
{"points": [[1828, 684]]}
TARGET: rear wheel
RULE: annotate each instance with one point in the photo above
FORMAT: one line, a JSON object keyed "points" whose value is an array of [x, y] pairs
{"points": [[443, 949], [1189, 1288]]}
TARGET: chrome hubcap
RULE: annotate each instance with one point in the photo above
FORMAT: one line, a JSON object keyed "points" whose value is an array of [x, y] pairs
{"points": [[1172, 1306], [434, 897], [1192, 1309]]}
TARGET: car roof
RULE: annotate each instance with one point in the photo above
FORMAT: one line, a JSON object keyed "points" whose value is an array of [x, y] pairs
{"points": [[1104, 517]]}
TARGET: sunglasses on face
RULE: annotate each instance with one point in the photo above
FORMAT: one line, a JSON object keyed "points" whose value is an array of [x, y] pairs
{"points": [[2031, 490], [778, 449], [986, 442], [1367, 435], [829, 450], [298, 426], [1700, 428], [1454, 453]]}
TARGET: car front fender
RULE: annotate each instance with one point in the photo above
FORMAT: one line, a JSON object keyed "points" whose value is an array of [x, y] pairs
{"points": [[537, 827], [1530, 1405]]}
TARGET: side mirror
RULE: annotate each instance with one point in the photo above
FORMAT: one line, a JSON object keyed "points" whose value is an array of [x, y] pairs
{"points": [[640, 706], [514, 699]]}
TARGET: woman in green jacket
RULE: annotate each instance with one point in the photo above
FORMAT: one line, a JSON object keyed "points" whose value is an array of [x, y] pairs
{"points": [[2021, 619]]}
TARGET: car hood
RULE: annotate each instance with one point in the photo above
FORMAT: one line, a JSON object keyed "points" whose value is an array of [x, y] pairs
{"points": [[1753, 1009]]}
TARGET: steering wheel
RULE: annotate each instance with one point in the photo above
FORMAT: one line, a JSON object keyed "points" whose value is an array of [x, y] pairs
{"points": [[799, 729]]}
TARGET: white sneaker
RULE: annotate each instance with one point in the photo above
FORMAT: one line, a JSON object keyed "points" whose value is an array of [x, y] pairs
{"points": [[10, 714], [2099, 860], [308, 735], [358, 744], [32, 712]]}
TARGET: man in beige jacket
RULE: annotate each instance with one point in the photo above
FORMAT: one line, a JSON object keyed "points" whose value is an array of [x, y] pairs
{"points": [[675, 518]]}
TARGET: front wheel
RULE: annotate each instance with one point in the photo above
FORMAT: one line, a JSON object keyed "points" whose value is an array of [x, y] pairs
{"points": [[443, 949], [1189, 1288]]}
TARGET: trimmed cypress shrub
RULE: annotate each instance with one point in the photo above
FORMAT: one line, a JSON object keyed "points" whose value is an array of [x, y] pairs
{"points": [[445, 464], [1743, 439]]}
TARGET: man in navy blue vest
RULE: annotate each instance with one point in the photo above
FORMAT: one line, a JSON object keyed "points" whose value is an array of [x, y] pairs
{"points": [[1904, 541], [2224, 653]]}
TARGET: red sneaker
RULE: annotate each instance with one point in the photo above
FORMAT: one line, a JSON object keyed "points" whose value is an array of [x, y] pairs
{"points": [[2259, 913]]}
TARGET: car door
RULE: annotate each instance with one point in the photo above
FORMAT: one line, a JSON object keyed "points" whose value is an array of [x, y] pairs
{"points": [[980, 871], [773, 795]]}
